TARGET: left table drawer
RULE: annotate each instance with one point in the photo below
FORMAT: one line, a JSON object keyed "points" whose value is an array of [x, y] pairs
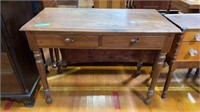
{"points": [[67, 41]]}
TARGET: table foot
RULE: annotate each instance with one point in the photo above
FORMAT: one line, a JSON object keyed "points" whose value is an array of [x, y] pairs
{"points": [[49, 100], [147, 101], [59, 64], [48, 97], [164, 94], [149, 96]]}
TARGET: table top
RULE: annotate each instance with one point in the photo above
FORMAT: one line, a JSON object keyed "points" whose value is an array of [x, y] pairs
{"points": [[100, 20], [185, 21]]}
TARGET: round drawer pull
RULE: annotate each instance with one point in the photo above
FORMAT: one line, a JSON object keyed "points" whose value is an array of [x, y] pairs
{"points": [[193, 52], [133, 41], [197, 37], [68, 40]]}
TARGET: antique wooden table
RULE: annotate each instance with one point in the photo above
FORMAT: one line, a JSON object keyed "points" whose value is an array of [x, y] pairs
{"points": [[185, 50], [125, 29], [187, 6]]}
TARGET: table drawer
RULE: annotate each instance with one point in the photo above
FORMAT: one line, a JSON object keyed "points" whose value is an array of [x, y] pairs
{"points": [[71, 41], [189, 51], [192, 35], [140, 42]]}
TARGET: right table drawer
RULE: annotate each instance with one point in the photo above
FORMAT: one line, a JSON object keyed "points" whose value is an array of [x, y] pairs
{"points": [[133, 42], [189, 51]]}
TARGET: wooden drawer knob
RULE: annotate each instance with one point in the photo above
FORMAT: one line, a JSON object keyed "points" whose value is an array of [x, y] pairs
{"points": [[133, 41], [193, 52], [197, 37], [68, 40]]}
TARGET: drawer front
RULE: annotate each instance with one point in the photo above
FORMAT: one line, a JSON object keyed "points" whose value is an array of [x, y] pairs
{"points": [[192, 35], [140, 42], [71, 41], [189, 51]]}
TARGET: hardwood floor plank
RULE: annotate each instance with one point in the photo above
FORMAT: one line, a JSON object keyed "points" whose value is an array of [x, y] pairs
{"points": [[90, 89]]}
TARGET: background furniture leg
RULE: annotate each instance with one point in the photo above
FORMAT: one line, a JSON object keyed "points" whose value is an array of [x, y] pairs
{"points": [[189, 72], [139, 65], [196, 77], [196, 73], [58, 61], [52, 57]]}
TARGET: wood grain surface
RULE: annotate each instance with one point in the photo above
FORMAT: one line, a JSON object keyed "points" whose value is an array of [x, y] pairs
{"points": [[100, 20]]}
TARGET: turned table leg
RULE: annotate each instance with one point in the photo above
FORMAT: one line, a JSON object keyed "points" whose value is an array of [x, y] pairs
{"points": [[52, 57], [41, 70], [58, 61], [156, 73]]}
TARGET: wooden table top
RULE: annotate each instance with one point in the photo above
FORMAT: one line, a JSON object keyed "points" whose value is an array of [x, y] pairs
{"points": [[185, 21], [100, 20]]}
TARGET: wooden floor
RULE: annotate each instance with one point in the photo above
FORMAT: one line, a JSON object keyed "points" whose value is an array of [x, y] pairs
{"points": [[111, 89]]}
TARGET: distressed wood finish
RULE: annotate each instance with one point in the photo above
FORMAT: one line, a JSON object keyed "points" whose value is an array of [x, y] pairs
{"points": [[179, 56], [102, 24], [98, 21]]}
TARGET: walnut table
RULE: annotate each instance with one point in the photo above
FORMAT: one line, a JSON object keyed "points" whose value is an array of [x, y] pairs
{"points": [[125, 29]]}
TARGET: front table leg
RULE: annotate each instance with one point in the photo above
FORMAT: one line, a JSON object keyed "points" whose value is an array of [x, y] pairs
{"points": [[158, 64], [41, 70]]}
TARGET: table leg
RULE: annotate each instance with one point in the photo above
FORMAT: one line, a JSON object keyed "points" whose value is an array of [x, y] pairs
{"points": [[196, 73], [156, 73], [41, 70], [45, 64], [196, 77], [153, 68], [168, 80], [58, 61], [52, 57], [139, 66], [189, 72]]}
